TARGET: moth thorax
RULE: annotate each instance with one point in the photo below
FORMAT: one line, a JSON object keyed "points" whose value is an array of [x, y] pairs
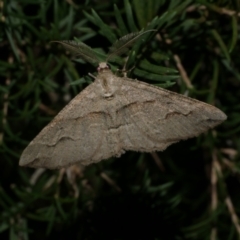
{"points": [[107, 84]]}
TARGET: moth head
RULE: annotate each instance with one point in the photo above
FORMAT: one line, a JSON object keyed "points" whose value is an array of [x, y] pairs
{"points": [[103, 66]]}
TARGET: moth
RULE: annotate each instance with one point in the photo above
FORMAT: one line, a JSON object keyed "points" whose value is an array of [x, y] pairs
{"points": [[116, 114]]}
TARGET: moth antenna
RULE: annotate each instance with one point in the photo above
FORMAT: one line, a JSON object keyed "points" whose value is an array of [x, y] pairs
{"points": [[80, 49], [123, 44]]}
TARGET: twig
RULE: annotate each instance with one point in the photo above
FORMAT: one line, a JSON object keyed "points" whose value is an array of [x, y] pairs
{"points": [[228, 200], [195, 7], [46, 109], [35, 176], [158, 161], [230, 152], [5, 111], [2, 17], [214, 8], [214, 196], [224, 10], [233, 214], [72, 173], [213, 233], [110, 181], [183, 72]]}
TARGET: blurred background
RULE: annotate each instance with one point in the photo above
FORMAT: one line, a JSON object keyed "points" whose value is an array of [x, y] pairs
{"points": [[189, 191]]}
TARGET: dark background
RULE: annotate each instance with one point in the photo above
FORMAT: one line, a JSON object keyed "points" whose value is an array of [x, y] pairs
{"points": [[189, 191]]}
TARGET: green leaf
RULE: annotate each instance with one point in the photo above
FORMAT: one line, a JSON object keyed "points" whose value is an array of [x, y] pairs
{"points": [[222, 45], [120, 22], [234, 33], [146, 65], [155, 77], [214, 82], [146, 10], [12, 43], [3, 227], [105, 30], [129, 14]]}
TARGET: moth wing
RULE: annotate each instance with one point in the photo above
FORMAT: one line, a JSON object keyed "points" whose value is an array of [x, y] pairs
{"points": [[76, 134], [156, 118], [140, 117]]}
